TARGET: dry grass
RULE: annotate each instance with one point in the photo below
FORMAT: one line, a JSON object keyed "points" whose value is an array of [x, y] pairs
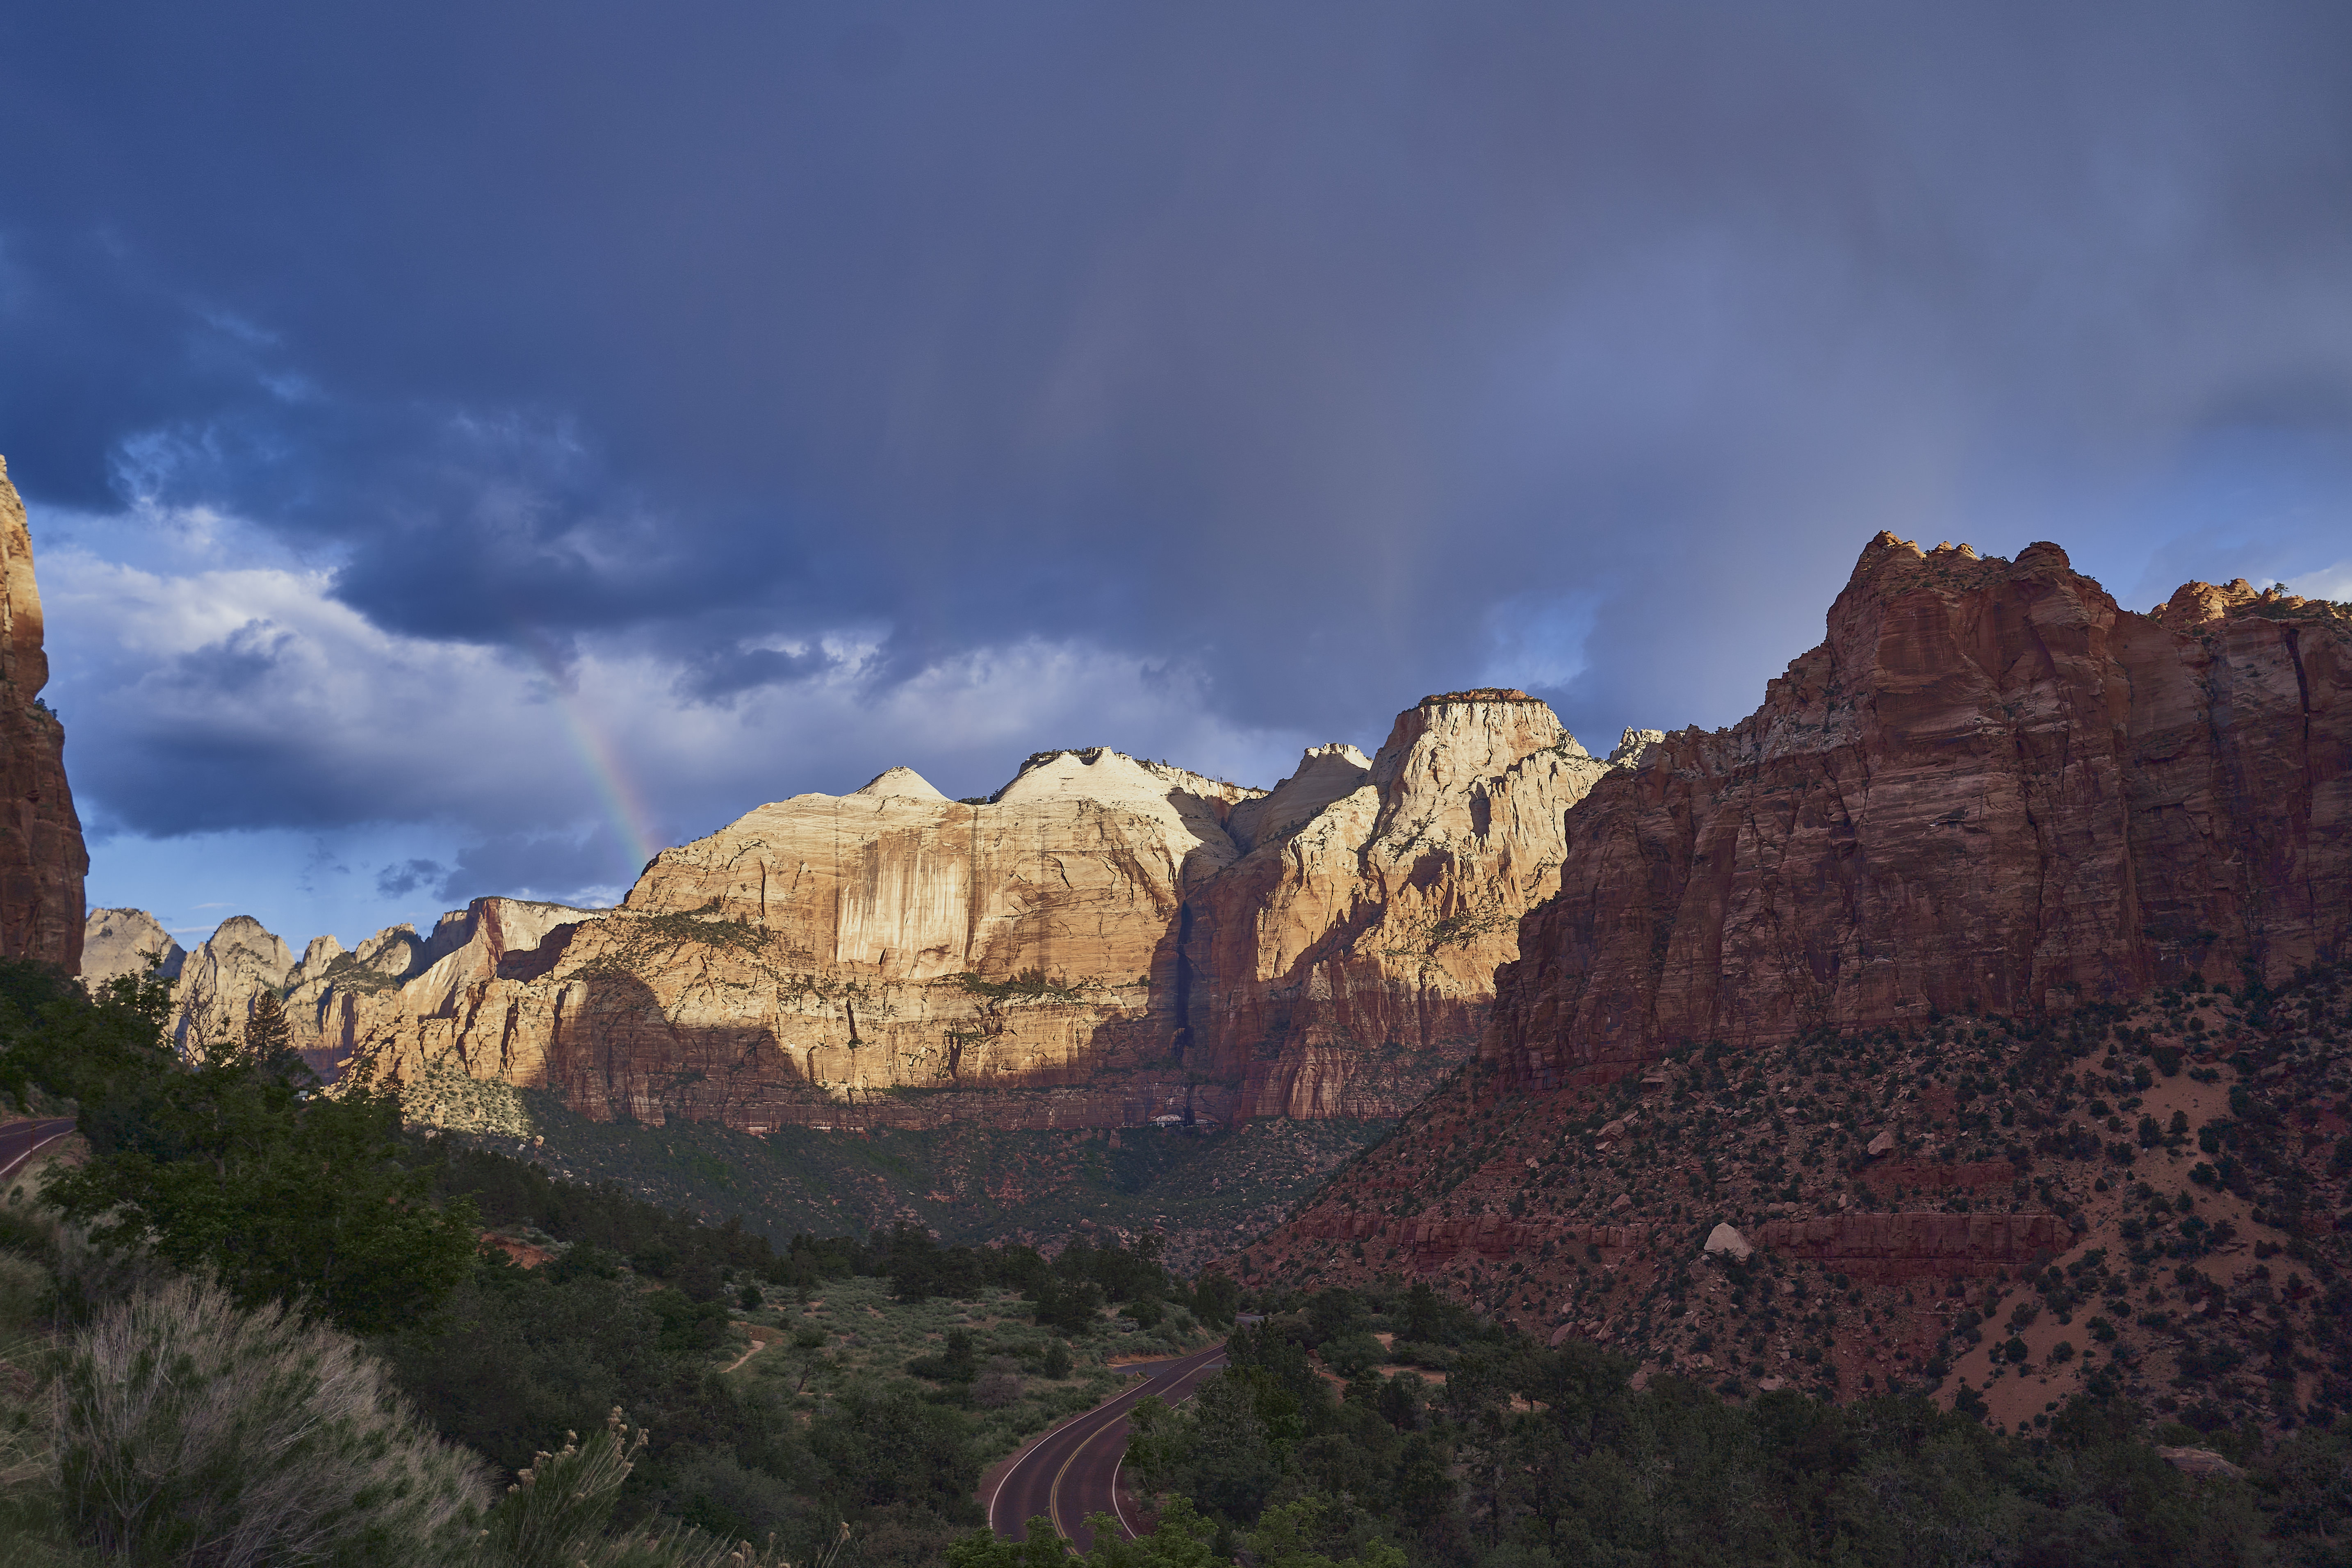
{"points": [[193, 1432]]}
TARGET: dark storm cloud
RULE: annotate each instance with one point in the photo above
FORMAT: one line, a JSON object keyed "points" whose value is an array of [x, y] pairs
{"points": [[725, 672], [398, 881], [1295, 344], [544, 863]]}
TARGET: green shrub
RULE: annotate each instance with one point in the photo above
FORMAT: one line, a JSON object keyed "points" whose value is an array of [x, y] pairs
{"points": [[25, 1293], [554, 1515], [1351, 1353], [195, 1431]]}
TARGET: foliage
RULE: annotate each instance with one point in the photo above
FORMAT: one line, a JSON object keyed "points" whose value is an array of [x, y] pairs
{"points": [[237, 1164], [1029, 986], [950, 1180], [556, 1512], [1527, 1455], [191, 1431], [1297, 1535], [661, 1243]]}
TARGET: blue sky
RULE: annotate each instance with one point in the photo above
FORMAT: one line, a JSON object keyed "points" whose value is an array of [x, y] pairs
{"points": [[470, 447]]}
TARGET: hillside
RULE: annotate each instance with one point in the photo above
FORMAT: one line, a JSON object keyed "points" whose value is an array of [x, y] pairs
{"points": [[968, 1186], [1894, 982]]}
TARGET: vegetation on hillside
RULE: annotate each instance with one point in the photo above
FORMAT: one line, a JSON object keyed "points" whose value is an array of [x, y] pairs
{"points": [[834, 1397], [964, 1184], [1392, 1426], [2188, 1154]]}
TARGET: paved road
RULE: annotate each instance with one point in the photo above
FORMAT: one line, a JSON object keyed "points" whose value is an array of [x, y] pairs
{"points": [[19, 1140], [1073, 1471]]}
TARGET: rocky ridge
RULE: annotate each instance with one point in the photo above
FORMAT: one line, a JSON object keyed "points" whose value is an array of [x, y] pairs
{"points": [[1826, 978], [1101, 942], [42, 859], [330, 995], [120, 942], [2148, 1199], [1989, 788]]}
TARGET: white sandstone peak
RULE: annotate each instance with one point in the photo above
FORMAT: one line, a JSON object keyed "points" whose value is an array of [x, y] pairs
{"points": [[1634, 747], [118, 942], [902, 783], [1325, 774]]}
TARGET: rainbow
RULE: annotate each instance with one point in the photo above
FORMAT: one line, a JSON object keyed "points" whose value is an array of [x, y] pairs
{"points": [[617, 797]]}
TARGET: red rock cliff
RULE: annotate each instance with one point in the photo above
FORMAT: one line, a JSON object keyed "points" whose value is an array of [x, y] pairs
{"points": [[1989, 788], [42, 861]]}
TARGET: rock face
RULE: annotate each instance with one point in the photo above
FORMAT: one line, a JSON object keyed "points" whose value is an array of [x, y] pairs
{"points": [[1989, 789], [220, 981], [1352, 943], [394, 980], [1850, 984], [1102, 941], [119, 942], [397, 986], [42, 860]]}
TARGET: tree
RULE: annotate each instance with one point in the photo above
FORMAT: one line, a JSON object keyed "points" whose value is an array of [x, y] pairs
{"points": [[1424, 1320], [1070, 1308], [244, 1165], [1215, 1299], [808, 1349]]}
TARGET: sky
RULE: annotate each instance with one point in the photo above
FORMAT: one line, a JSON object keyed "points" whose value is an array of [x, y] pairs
{"points": [[470, 448]]}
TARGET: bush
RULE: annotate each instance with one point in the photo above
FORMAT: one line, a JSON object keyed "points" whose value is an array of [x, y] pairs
{"points": [[1351, 1353], [556, 1513], [996, 1390], [24, 1293], [193, 1432]]}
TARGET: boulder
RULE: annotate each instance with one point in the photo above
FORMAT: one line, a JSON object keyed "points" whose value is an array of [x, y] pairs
{"points": [[2199, 1462], [1725, 1241]]}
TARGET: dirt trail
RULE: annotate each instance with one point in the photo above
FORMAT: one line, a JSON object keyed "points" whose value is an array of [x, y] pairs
{"points": [[762, 1338]]}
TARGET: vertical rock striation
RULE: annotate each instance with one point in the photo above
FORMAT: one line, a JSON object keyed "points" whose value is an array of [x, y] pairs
{"points": [[219, 983], [1102, 943], [1990, 789], [1350, 950], [42, 860]]}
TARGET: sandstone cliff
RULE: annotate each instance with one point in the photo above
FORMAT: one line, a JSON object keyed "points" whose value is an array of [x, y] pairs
{"points": [[120, 941], [1988, 788], [1103, 941], [1893, 979], [1351, 948], [398, 984], [42, 860], [220, 980]]}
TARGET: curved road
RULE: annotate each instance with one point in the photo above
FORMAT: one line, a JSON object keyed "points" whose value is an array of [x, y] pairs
{"points": [[1073, 1470], [20, 1141]]}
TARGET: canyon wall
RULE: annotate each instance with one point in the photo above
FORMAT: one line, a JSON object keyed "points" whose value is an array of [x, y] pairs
{"points": [[1347, 952], [1990, 789], [1102, 943], [120, 942], [42, 860]]}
